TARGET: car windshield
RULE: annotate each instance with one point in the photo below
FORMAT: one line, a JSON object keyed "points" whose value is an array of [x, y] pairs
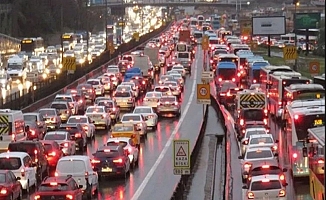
{"points": [[123, 128], [55, 137], [259, 154], [53, 187], [250, 133], [2, 178], [262, 140], [131, 118], [10, 163], [67, 99], [122, 94], [95, 110], [161, 89], [265, 185], [93, 82], [106, 154], [70, 166], [59, 106], [47, 112], [77, 120], [143, 110], [30, 118], [153, 95], [116, 143], [167, 99]]}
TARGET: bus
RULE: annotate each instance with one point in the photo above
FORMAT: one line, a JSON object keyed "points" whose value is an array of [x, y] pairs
{"points": [[265, 73], [279, 80], [32, 46], [254, 70], [301, 116], [316, 152], [319, 80], [290, 37], [226, 70], [303, 92]]}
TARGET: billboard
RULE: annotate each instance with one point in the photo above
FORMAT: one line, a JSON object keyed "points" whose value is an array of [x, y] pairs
{"points": [[268, 25], [307, 20]]}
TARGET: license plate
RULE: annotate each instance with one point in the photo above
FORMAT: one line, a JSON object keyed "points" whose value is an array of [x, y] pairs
{"points": [[106, 169]]}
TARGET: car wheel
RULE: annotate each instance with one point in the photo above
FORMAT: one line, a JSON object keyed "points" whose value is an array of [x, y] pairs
{"points": [[20, 195]]}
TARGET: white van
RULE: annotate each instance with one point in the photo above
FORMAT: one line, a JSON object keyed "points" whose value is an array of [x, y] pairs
{"points": [[80, 168], [12, 127]]}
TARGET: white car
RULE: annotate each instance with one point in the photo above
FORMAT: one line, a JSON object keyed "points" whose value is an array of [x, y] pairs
{"points": [[137, 119], [135, 90], [15, 162], [265, 140], [128, 146], [99, 116], [150, 116], [70, 100], [63, 138], [80, 168], [179, 68], [175, 88], [151, 99], [86, 123], [178, 78], [97, 85], [247, 133], [107, 84], [254, 154], [265, 187], [165, 90]]}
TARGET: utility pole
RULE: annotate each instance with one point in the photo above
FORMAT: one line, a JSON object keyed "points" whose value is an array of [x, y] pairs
{"points": [[296, 3], [106, 24], [87, 30]]}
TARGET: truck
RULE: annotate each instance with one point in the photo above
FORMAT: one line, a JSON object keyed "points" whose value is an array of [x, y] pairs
{"points": [[184, 36], [17, 68], [152, 52], [145, 66], [251, 106]]}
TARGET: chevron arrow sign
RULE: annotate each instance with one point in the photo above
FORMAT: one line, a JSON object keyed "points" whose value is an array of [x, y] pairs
{"points": [[69, 64], [290, 53]]}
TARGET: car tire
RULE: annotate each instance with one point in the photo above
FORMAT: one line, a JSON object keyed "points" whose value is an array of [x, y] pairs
{"points": [[27, 190], [20, 196]]}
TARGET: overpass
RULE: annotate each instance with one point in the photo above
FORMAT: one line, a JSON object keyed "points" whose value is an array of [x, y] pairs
{"points": [[121, 4]]}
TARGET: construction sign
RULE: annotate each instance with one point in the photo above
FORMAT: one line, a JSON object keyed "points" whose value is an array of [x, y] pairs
{"points": [[181, 157], [246, 27], [252, 100], [205, 43], [4, 124], [69, 64], [290, 53]]}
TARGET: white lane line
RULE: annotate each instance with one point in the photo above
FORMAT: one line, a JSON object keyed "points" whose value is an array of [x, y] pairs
{"points": [[169, 142]]}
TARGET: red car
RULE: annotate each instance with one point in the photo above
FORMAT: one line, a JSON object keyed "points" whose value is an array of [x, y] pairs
{"points": [[58, 187], [10, 187], [53, 151]]}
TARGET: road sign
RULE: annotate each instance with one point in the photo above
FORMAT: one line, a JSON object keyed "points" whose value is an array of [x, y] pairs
{"points": [[314, 67], [69, 64], [307, 20], [181, 157], [246, 27], [203, 94], [290, 53], [136, 36], [207, 76], [205, 43]]}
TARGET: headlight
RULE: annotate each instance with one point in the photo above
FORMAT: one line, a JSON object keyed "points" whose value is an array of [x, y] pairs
{"points": [[3, 81], [81, 61], [58, 71], [44, 76], [47, 71], [60, 66]]}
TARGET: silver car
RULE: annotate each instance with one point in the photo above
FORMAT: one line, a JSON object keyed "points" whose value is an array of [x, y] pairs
{"points": [[150, 116], [51, 117], [99, 115], [125, 99], [169, 105], [65, 141], [152, 98], [175, 88]]}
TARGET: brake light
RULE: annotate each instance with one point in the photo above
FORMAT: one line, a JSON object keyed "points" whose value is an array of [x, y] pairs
{"points": [[247, 166], [241, 122], [211, 61], [228, 94], [233, 79], [265, 121], [159, 103], [245, 142], [280, 103], [80, 101], [94, 161], [69, 196], [35, 151], [56, 174], [65, 144], [265, 166], [53, 183], [176, 103], [250, 195], [13, 137], [3, 191], [282, 177], [222, 94], [145, 99], [90, 90], [85, 128], [241, 66], [37, 197], [265, 111], [282, 193], [32, 132], [78, 135], [265, 180], [114, 109], [22, 171], [118, 160], [254, 81], [220, 79], [239, 74], [296, 117], [52, 153], [274, 148], [295, 155], [130, 99]]}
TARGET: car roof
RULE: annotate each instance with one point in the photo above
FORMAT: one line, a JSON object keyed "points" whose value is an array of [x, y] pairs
{"points": [[142, 107], [261, 135], [266, 176], [14, 154], [131, 114], [31, 113], [75, 157], [56, 132], [125, 139], [47, 109], [258, 148]]}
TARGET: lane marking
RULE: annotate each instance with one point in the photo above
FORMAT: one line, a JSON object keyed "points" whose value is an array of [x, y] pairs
{"points": [[149, 175]]}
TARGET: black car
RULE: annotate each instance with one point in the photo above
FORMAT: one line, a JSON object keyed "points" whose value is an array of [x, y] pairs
{"points": [[111, 160], [33, 131], [77, 133], [36, 151]]}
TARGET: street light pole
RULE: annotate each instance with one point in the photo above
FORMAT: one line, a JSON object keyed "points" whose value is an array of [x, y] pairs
{"points": [[106, 24], [87, 30], [296, 2]]}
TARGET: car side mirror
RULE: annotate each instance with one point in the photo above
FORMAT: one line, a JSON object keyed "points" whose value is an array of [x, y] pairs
{"points": [[244, 187], [276, 141], [276, 155], [80, 186], [240, 157], [18, 178], [245, 173], [285, 170], [93, 122]]}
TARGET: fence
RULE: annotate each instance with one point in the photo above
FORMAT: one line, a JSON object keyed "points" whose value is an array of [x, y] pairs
{"points": [[24, 98]]}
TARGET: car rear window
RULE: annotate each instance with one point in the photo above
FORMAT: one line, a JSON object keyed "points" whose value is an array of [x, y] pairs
{"points": [[48, 147], [30, 118], [142, 110], [21, 147], [10, 163], [53, 187], [120, 143], [161, 89], [110, 154], [106, 104], [75, 120], [55, 137], [167, 99], [93, 82], [67, 99], [259, 154], [47, 112], [262, 171], [122, 94], [131, 118], [270, 185], [59, 106], [264, 140], [71, 166], [95, 110]]}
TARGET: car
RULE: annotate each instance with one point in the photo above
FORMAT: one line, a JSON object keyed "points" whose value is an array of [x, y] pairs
{"points": [[53, 151], [111, 108], [51, 117], [165, 90], [65, 141], [136, 119], [135, 90], [10, 186], [148, 113], [101, 99], [265, 186], [59, 187], [175, 88], [99, 116], [80, 168], [263, 167], [33, 131], [254, 154], [20, 163], [125, 99], [128, 130], [164, 78], [80, 98], [247, 133], [38, 118], [72, 102], [63, 109], [97, 85], [223, 91], [111, 160], [37, 153], [124, 88], [107, 83], [86, 123], [179, 79], [88, 91], [168, 105], [151, 99], [77, 134], [251, 124], [141, 81], [264, 140]]}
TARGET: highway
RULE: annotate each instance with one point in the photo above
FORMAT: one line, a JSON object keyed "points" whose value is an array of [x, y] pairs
{"points": [[155, 170]]}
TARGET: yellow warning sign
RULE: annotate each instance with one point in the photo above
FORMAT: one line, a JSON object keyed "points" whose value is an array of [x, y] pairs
{"points": [[4, 124], [203, 94], [205, 43], [69, 64], [290, 53], [252, 101], [181, 152]]}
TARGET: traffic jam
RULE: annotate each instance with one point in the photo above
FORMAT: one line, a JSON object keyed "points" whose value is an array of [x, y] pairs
{"points": [[46, 150]]}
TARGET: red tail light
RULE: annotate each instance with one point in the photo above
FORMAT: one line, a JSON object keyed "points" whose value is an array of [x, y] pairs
{"points": [[233, 79], [250, 195], [254, 81], [35, 151], [65, 144], [94, 161], [143, 82], [69, 196], [145, 99], [52, 153], [32, 132], [220, 79], [22, 171], [56, 174], [78, 135], [282, 177], [280, 103], [176, 103], [211, 61], [282, 193], [241, 122], [295, 155], [3, 191], [119, 161]]}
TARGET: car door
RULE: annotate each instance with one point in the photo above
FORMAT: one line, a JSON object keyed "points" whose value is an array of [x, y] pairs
{"points": [[41, 123], [143, 121], [30, 170], [78, 194], [14, 184], [92, 173]]}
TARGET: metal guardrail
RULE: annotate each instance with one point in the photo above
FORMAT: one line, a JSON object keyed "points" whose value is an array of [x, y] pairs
{"points": [[9, 45], [160, 3]]}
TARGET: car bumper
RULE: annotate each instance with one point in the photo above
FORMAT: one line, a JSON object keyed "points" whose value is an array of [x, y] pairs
{"points": [[167, 110], [98, 92], [151, 122], [23, 182], [52, 161], [125, 104], [151, 104], [107, 87], [110, 171], [51, 126]]}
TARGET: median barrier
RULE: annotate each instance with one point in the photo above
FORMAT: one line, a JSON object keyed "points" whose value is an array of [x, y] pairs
{"points": [[44, 92]]}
